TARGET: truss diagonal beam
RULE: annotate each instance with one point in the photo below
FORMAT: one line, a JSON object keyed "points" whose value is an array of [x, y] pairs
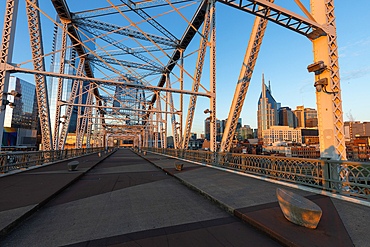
{"points": [[68, 114], [121, 46], [104, 26], [131, 5], [124, 63], [187, 37], [34, 27], [60, 88], [196, 82], [124, 8], [281, 16], [245, 76]]}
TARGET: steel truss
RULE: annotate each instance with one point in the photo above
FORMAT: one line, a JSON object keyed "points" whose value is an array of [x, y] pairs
{"points": [[245, 76], [159, 52]]}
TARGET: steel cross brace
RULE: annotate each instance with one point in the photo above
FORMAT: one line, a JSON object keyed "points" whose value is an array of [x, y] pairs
{"points": [[245, 76], [34, 27], [281, 16], [104, 26], [76, 83], [197, 76]]}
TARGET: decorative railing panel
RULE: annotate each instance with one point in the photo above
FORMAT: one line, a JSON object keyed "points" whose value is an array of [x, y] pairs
{"points": [[345, 177], [24, 160]]}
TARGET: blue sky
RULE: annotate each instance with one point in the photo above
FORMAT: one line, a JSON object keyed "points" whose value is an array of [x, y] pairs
{"points": [[283, 59]]}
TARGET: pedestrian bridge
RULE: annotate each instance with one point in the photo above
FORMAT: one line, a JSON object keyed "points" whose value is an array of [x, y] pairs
{"points": [[137, 197]]}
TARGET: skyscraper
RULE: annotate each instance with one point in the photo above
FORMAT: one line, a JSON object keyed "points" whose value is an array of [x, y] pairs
{"points": [[267, 110], [286, 117], [21, 121]]}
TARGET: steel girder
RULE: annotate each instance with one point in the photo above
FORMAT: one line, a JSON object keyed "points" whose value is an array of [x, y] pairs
{"points": [[124, 63], [123, 31], [60, 88], [173, 121], [132, 6], [6, 54], [68, 114], [187, 37], [87, 114], [121, 46], [15, 69], [64, 13], [196, 82], [245, 76], [213, 124], [135, 51], [39, 65], [329, 105], [124, 8], [281, 16]]}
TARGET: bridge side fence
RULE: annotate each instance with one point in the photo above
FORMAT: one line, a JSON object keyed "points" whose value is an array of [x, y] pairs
{"points": [[344, 177], [23, 160]]}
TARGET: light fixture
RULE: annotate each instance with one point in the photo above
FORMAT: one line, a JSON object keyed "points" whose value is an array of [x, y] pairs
{"points": [[207, 111], [317, 67], [321, 85]]}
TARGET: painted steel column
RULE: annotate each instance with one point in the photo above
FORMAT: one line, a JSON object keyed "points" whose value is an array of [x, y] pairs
{"points": [[34, 27], [60, 87], [245, 76], [213, 123], [181, 99], [164, 136], [64, 130], [198, 73], [157, 120], [329, 106], [6, 54]]}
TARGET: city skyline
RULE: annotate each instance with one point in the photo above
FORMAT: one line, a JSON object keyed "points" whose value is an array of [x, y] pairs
{"points": [[283, 58]]}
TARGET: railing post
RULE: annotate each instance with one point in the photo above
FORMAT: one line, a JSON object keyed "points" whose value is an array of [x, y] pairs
{"points": [[325, 168]]}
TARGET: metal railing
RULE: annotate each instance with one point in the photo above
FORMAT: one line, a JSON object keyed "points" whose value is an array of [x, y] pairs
{"points": [[344, 177], [24, 160]]}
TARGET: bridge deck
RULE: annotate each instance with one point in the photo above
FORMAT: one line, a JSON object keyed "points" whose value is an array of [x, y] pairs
{"points": [[126, 199]]}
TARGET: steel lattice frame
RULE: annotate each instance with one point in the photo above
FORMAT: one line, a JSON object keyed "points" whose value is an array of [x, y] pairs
{"points": [[163, 45], [34, 27]]}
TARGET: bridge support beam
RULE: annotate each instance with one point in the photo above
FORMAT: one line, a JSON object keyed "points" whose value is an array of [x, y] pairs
{"points": [[328, 97]]}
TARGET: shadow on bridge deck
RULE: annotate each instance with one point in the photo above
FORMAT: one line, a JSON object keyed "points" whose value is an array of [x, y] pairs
{"points": [[125, 200]]}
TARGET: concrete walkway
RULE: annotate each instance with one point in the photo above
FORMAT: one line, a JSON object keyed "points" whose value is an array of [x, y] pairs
{"points": [[23, 193], [126, 201], [254, 201]]}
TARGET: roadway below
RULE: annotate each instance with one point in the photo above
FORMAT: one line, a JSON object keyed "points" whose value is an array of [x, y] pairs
{"points": [[123, 200]]}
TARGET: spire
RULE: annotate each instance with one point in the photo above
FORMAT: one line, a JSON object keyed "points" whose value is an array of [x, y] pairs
{"points": [[269, 85], [263, 86]]}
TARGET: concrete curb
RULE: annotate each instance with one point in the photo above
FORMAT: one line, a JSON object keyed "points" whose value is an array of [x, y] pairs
{"points": [[16, 222]]}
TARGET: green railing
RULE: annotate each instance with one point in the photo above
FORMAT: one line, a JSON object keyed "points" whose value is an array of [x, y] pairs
{"points": [[344, 177], [24, 160]]}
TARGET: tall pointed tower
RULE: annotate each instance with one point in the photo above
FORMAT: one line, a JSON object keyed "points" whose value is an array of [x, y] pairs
{"points": [[267, 109]]}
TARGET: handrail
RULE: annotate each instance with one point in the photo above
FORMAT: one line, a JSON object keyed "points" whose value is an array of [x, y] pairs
{"points": [[343, 177], [23, 160]]}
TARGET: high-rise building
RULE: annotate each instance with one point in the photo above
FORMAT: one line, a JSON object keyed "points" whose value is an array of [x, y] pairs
{"points": [[286, 117], [267, 110], [305, 117], [21, 121], [353, 130], [207, 129]]}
